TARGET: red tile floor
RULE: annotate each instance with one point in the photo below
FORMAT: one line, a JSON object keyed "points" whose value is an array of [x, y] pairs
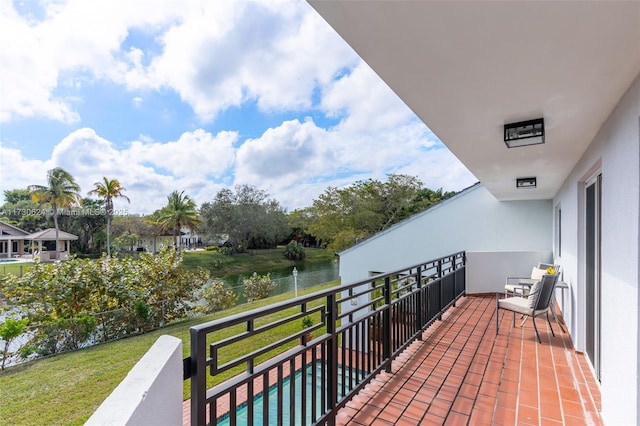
{"points": [[462, 373]]}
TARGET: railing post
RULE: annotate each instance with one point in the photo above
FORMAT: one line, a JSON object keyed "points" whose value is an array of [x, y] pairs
{"points": [[332, 358], [386, 319], [198, 378], [419, 314], [440, 292]]}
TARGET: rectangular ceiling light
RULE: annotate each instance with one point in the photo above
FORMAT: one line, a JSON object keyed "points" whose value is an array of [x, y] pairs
{"points": [[524, 133], [529, 182]]}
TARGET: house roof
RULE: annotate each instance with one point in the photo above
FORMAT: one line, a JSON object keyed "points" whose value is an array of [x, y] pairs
{"points": [[10, 230], [49, 234], [467, 68]]}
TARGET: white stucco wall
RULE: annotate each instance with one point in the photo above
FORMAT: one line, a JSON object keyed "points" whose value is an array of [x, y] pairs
{"points": [[616, 153], [487, 270], [151, 394], [472, 220]]}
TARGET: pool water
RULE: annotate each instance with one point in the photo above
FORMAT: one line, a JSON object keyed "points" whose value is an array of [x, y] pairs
{"points": [[242, 411], [8, 261]]}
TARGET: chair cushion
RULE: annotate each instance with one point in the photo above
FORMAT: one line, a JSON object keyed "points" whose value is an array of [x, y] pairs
{"points": [[537, 273], [518, 289], [533, 294], [516, 304]]}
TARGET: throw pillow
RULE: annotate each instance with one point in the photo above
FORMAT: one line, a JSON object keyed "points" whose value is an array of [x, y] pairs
{"points": [[537, 273], [533, 294]]}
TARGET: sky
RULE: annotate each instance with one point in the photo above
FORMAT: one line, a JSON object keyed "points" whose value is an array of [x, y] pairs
{"points": [[197, 96]]}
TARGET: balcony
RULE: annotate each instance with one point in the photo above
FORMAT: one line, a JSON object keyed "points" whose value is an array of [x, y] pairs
{"points": [[462, 373], [440, 363]]}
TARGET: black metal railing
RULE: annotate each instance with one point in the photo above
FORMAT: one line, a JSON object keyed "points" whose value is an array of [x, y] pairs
{"points": [[257, 368]]}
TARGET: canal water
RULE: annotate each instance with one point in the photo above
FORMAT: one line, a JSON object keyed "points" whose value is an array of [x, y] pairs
{"points": [[309, 275]]}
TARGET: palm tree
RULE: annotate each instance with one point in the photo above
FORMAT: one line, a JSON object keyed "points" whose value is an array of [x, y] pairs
{"points": [[180, 211], [109, 189], [61, 191]]}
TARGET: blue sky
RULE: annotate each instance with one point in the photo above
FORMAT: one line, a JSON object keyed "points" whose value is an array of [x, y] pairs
{"points": [[197, 96]]}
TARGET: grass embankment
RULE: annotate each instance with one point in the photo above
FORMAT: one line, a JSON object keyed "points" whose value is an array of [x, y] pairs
{"points": [[68, 388]]}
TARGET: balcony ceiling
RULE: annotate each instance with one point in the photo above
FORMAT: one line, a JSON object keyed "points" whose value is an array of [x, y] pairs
{"points": [[467, 68]]}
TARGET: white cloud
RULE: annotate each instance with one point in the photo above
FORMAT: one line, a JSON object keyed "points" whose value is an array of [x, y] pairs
{"points": [[214, 54], [17, 172], [275, 54], [28, 72], [194, 153]]}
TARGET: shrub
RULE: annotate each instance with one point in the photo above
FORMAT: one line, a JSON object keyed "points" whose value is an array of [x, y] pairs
{"points": [[258, 287], [294, 251], [9, 330], [130, 295], [218, 297]]}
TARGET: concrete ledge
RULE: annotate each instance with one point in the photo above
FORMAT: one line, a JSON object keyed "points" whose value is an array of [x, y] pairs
{"points": [[151, 394]]}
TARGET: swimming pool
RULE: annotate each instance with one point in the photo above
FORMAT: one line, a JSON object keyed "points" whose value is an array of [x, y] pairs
{"points": [[9, 260], [242, 411]]}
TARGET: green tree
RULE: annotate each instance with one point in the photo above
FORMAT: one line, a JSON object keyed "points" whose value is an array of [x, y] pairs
{"points": [[180, 211], [248, 216], [426, 198], [125, 228], [342, 216], [61, 191], [299, 221], [109, 189], [20, 210], [86, 223]]}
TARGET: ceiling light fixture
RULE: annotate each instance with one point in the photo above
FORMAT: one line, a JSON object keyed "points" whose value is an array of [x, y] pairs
{"points": [[529, 182], [524, 133]]}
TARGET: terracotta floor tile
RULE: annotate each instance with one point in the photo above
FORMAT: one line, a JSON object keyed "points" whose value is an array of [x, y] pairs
{"points": [[479, 417], [504, 416], [447, 393], [392, 412], [456, 419], [367, 415], [469, 391], [487, 388], [416, 410], [528, 415], [462, 405], [485, 403], [528, 397], [551, 411], [432, 420], [572, 409], [426, 394], [439, 412]]}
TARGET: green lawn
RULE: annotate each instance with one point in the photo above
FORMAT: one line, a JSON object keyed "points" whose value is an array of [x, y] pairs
{"points": [[15, 268], [68, 388]]}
